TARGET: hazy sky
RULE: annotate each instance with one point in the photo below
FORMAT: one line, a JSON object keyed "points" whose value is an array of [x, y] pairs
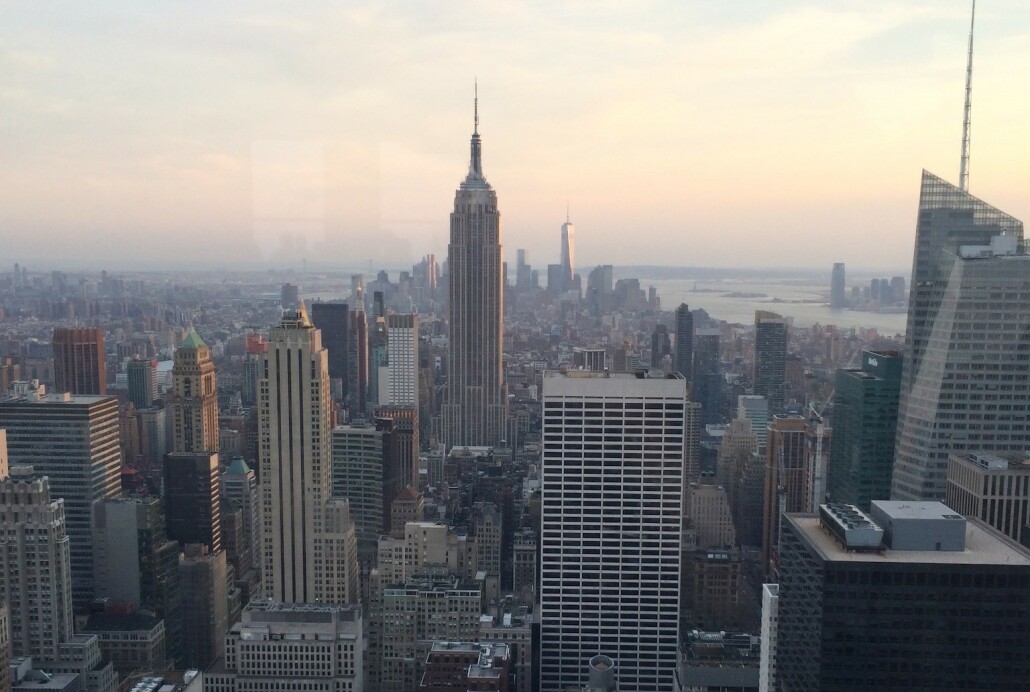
{"points": [[716, 132]]}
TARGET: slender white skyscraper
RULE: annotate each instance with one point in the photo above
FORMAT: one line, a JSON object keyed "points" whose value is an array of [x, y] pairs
{"points": [[310, 551], [568, 258], [612, 507], [475, 408], [401, 387]]}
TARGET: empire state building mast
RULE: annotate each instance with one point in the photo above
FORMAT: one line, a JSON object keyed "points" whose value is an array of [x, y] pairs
{"points": [[475, 405]]}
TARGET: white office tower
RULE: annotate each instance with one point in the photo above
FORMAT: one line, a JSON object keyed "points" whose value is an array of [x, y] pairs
{"points": [[770, 615], [612, 507], [286, 647], [294, 426], [401, 387]]}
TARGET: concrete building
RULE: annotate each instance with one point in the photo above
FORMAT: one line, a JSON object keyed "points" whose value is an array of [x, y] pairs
{"points": [[291, 648], [80, 365], [240, 489], [463, 666], [684, 362], [332, 319], [192, 489], [512, 625], [524, 566], [5, 647], [35, 565], [409, 618], [591, 426], [711, 588], [488, 529], [963, 386], [991, 488], [708, 510], [407, 507], [134, 643], [706, 378], [896, 600], [73, 440], [194, 399], [755, 409], [475, 405], [865, 422], [294, 422]]}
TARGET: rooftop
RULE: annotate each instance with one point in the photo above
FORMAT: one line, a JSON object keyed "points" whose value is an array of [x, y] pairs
{"points": [[193, 340], [984, 546], [111, 622]]}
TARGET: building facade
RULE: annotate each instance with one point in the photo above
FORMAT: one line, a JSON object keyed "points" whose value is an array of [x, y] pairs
{"points": [[600, 589], [993, 489], [80, 365], [949, 218], [770, 376], [192, 498], [475, 407], [194, 397]]}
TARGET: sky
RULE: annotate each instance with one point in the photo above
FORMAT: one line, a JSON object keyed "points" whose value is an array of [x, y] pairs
{"points": [[720, 133]]}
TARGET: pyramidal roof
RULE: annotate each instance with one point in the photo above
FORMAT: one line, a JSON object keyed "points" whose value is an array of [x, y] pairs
{"points": [[238, 467], [193, 340]]}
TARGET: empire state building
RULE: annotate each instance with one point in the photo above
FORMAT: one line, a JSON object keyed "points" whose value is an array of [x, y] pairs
{"points": [[475, 407]]}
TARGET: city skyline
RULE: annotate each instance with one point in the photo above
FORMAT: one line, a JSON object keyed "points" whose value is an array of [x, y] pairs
{"points": [[646, 119]]}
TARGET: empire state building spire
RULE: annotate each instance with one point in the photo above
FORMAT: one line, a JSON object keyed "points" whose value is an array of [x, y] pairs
{"points": [[476, 161]]}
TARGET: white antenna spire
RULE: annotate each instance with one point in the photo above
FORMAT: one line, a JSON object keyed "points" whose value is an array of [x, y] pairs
{"points": [[963, 174]]}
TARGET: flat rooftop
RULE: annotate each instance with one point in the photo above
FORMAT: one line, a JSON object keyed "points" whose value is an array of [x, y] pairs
{"points": [[983, 547], [896, 509]]}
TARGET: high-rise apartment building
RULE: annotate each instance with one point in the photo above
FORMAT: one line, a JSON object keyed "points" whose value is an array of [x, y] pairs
{"points": [[289, 296], [786, 481], [605, 588], [142, 380], [865, 422], [194, 397], [568, 256], [838, 297], [706, 380], [897, 600], [332, 319], [401, 468], [684, 341], [964, 346], [475, 408], [661, 345], [80, 366], [192, 499], [357, 359], [73, 440], [295, 417], [291, 648], [35, 580], [755, 409], [770, 377]]}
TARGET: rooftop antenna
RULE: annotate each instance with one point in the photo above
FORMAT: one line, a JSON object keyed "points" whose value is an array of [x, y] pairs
{"points": [[475, 101], [566, 211], [963, 175]]}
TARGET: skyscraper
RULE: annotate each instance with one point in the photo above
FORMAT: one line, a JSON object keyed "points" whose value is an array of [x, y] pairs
{"points": [[359, 463], [142, 379], [34, 565], [706, 380], [568, 258], [73, 440], [865, 421], [332, 320], [900, 599], [475, 408], [79, 362], [770, 379], [192, 499], [968, 312], [838, 297], [357, 359], [660, 345], [684, 341], [294, 431], [402, 357], [610, 569], [786, 482], [194, 397], [240, 489]]}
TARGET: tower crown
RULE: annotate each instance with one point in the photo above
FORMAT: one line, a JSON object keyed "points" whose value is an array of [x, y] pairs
{"points": [[475, 180]]}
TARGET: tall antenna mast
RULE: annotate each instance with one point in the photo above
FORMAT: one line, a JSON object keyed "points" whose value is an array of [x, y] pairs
{"points": [[476, 105], [963, 174]]}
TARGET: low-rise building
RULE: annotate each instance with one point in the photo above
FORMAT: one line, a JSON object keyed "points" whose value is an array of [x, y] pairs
{"points": [[991, 488], [466, 667]]}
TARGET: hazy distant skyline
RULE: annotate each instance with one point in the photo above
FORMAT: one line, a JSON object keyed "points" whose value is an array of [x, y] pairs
{"points": [[741, 133]]}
